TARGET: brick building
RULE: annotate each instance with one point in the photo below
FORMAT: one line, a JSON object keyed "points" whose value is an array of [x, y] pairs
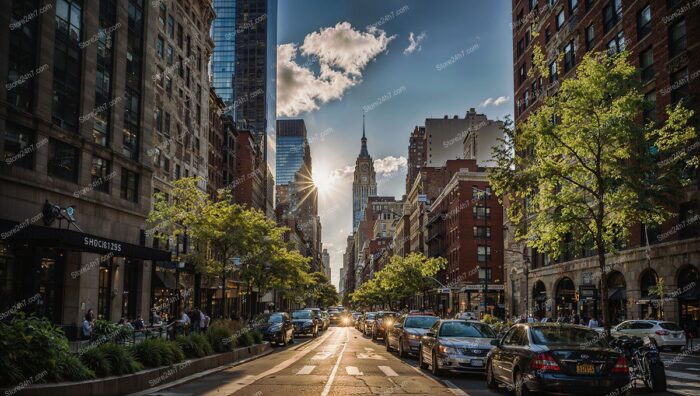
{"points": [[661, 36]]}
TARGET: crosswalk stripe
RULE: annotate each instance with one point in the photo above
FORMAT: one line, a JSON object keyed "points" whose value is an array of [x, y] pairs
{"points": [[388, 371], [679, 374], [306, 370], [321, 356], [352, 370]]}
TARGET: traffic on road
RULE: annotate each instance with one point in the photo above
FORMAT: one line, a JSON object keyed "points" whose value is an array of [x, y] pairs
{"points": [[386, 352]]}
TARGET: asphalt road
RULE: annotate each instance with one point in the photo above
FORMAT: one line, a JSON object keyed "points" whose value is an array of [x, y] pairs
{"points": [[342, 361]]}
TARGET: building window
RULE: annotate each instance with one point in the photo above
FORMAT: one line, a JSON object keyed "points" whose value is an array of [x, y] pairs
{"points": [[573, 4], [679, 86], [617, 44], [589, 4], [533, 4], [612, 13], [177, 171], [523, 73], [63, 161], [160, 47], [482, 232], [179, 36], [481, 212], [180, 67], [689, 219], [569, 57], [19, 146], [169, 86], [159, 119], [590, 36], [66, 72], [169, 55], [99, 172], [676, 38], [561, 17], [483, 254], [553, 72], [646, 63], [21, 55], [130, 185], [132, 94], [481, 193], [644, 22], [649, 112], [547, 34], [162, 11], [166, 124], [171, 27]]}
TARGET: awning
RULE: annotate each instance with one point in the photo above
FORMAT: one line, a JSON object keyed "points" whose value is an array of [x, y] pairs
{"points": [[69, 239]]}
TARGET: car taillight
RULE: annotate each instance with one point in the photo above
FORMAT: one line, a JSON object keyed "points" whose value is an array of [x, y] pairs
{"points": [[621, 366], [662, 332], [544, 362]]}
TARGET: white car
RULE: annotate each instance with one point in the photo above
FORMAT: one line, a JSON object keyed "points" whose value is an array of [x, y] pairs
{"points": [[662, 333]]}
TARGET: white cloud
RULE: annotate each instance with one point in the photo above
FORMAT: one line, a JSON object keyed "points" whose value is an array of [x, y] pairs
{"points": [[342, 53], [414, 43], [389, 165], [495, 102]]}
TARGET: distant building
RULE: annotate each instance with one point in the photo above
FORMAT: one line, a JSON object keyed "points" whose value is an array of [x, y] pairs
{"points": [[364, 182], [326, 259], [445, 136], [417, 155], [293, 151]]}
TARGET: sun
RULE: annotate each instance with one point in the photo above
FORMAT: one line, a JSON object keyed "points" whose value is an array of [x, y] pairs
{"points": [[322, 179]]}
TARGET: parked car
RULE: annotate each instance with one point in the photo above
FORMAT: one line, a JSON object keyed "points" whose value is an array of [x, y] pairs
{"points": [[335, 316], [381, 322], [359, 322], [368, 322], [456, 345], [404, 336], [467, 316], [662, 333], [276, 327], [306, 321], [556, 358], [326, 320]]}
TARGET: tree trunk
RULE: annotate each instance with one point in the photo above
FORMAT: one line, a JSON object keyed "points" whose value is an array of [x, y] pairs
{"points": [[604, 290]]}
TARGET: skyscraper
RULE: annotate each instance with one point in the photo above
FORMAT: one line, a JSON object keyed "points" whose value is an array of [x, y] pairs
{"points": [[292, 150], [223, 60], [364, 182]]}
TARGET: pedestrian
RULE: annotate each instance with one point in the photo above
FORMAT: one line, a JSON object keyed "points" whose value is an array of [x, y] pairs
{"points": [[593, 323], [138, 323], [88, 323], [202, 321]]}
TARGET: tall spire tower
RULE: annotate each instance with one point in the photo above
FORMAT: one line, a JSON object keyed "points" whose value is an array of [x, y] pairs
{"points": [[364, 183]]}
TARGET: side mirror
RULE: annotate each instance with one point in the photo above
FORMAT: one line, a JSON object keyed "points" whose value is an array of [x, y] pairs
{"points": [[496, 342]]}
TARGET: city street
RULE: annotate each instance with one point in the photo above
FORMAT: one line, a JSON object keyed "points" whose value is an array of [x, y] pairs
{"points": [[342, 361]]}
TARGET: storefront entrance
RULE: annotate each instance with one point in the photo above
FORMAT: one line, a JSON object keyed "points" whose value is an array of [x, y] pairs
{"points": [[539, 300], [649, 303], [617, 298], [689, 300], [566, 303]]}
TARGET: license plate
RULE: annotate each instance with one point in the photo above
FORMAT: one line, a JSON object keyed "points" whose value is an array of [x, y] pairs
{"points": [[477, 362], [585, 369]]}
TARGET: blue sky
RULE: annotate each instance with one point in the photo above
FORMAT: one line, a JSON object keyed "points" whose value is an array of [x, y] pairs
{"points": [[464, 58]]}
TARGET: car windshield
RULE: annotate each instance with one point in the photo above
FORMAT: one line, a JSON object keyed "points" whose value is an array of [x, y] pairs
{"points": [[670, 326], [302, 315], [421, 322], [466, 329], [275, 318], [386, 315], [560, 335], [371, 315]]}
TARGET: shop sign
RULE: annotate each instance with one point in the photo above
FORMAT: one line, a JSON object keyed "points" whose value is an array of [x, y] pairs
{"points": [[102, 244]]}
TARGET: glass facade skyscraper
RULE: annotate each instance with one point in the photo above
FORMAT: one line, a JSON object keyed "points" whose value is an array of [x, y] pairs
{"points": [[223, 61], [292, 150]]}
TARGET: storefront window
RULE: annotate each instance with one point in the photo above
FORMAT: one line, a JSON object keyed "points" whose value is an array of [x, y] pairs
{"points": [[689, 300], [649, 304], [539, 298], [617, 297], [565, 302]]}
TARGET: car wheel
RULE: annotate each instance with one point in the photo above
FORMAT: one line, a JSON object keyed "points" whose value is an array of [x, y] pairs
{"points": [[374, 335], [434, 366], [520, 387], [402, 352], [490, 378], [421, 361]]}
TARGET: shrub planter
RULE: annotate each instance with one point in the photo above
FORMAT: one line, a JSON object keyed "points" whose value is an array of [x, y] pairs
{"points": [[145, 379]]}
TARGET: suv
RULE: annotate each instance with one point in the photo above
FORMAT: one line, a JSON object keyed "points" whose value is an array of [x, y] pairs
{"points": [[660, 332]]}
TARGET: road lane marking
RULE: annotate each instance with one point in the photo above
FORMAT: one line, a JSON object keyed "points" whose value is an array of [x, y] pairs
{"points": [[306, 370], [388, 371], [352, 370], [327, 388], [322, 356], [454, 388], [682, 375], [369, 349], [370, 355], [693, 369]]}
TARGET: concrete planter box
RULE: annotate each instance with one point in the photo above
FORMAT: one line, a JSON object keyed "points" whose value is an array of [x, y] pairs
{"points": [[142, 380]]}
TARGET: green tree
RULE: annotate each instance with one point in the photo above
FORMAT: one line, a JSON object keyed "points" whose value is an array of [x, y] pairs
{"points": [[582, 169]]}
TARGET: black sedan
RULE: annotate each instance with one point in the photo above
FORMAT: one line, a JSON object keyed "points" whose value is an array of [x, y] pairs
{"points": [[276, 327], [556, 358], [306, 321]]}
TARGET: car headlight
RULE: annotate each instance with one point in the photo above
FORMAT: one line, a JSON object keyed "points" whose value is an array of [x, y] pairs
{"points": [[447, 350], [413, 336], [388, 322]]}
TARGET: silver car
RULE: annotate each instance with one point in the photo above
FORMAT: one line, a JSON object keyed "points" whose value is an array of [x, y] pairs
{"points": [[660, 332], [456, 345], [404, 336]]}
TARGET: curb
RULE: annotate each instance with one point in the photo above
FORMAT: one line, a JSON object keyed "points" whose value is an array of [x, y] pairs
{"points": [[199, 375]]}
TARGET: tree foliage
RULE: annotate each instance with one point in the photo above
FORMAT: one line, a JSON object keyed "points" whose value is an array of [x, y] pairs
{"points": [[583, 169]]}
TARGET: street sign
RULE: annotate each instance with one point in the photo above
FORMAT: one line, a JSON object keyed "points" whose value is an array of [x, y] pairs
{"points": [[444, 290], [422, 198]]}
